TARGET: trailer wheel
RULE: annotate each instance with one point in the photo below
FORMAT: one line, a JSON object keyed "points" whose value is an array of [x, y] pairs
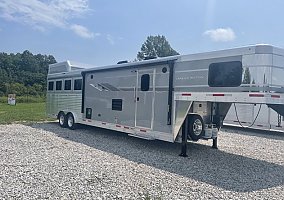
{"points": [[71, 121], [195, 127], [62, 120]]}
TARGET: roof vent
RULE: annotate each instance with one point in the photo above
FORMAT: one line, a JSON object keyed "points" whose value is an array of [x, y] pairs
{"points": [[122, 62]]}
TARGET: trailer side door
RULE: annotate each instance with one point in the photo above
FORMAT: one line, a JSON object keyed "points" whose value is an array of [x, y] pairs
{"points": [[145, 98]]}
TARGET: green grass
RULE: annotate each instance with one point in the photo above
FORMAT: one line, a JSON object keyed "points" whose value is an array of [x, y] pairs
{"points": [[24, 99], [22, 112]]}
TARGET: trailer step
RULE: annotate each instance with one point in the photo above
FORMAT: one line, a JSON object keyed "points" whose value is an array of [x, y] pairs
{"points": [[141, 137]]}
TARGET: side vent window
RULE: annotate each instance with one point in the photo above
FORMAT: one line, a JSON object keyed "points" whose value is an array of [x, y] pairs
{"points": [[67, 85], [145, 82], [58, 85], [78, 84], [117, 104], [50, 85]]}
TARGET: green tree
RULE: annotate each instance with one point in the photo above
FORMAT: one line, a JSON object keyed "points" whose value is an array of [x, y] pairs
{"points": [[247, 76], [16, 88], [156, 46], [26, 69]]}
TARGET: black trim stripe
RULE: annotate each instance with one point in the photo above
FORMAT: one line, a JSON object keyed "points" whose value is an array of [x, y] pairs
{"points": [[83, 93], [170, 93]]}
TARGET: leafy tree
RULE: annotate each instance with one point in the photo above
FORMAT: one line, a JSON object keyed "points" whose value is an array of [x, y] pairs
{"points": [[156, 46], [24, 73]]}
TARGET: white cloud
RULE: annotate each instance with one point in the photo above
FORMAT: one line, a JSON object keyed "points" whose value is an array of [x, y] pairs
{"points": [[221, 34], [83, 31], [41, 14], [110, 39]]}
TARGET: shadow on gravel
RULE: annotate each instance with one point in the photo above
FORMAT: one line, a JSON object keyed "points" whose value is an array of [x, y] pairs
{"points": [[275, 135], [215, 167]]}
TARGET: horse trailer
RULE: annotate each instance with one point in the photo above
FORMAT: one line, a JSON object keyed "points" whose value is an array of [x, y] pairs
{"points": [[174, 99]]}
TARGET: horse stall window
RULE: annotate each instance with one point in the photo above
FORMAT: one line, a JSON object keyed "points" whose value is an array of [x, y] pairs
{"points": [[67, 85], [78, 84], [225, 74], [145, 82], [58, 85], [50, 85]]}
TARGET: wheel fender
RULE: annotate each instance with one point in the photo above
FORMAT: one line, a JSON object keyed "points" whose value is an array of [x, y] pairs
{"points": [[74, 115]]}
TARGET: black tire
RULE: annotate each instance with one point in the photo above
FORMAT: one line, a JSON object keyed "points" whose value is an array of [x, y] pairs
{"points": [[195, 127], [71, 121], [62, 120]]}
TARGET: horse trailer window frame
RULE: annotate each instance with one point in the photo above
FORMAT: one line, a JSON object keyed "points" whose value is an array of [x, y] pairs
{"points": [[50, 85], [78, 84], [68, 84], [225, 74], [58, 85]]}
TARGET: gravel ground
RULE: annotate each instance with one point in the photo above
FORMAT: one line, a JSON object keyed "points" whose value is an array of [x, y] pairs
{"points": [[44, 161]]}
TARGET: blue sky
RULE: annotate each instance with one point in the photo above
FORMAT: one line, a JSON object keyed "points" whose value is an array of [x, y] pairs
{"points": [[102, 32]]}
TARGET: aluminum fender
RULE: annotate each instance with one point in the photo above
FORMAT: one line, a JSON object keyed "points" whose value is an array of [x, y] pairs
{"points": [[76, 119]]}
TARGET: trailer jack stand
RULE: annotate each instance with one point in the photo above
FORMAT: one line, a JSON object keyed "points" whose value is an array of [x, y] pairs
{"points": [[214, 146], [184, 138]]}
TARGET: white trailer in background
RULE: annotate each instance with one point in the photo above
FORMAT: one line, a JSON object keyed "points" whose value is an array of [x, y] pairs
{"points": [[171, 99]]}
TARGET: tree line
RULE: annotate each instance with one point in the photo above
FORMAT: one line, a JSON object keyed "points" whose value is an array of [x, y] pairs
{"points": [[25, 74]]}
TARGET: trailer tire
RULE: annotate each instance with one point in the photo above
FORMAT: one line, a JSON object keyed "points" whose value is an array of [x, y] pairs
{"points": [[195, 127], [71, 121], [62, 120]]}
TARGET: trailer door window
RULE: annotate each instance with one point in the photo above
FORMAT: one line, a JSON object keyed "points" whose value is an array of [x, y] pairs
{"points": [[225, 74], [77, 84], [50, 85], [145, 82], [67, 85], [58, 85]]}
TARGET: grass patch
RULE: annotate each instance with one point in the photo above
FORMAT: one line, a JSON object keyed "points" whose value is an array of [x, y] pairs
{"points": [[22, 112], [25, 99]]}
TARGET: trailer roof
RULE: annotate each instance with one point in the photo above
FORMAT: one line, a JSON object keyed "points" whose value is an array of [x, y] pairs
{"points": [[253, 49]]}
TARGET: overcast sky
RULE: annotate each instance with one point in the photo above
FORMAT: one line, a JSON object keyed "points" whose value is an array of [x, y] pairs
{"points": [[102, 32]]}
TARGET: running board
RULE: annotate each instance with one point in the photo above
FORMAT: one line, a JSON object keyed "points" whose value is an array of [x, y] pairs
{"points": [[141, 137]]}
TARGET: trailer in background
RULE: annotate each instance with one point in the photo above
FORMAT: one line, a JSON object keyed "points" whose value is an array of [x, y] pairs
{"points": [[254, 116], [171, 99]]}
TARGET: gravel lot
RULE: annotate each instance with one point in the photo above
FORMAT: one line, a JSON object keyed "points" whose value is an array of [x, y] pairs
{"points": [[44, 161]]}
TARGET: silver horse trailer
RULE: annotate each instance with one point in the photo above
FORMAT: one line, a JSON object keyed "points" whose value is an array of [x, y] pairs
{"points": [[177, 98], [64, 92]]}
